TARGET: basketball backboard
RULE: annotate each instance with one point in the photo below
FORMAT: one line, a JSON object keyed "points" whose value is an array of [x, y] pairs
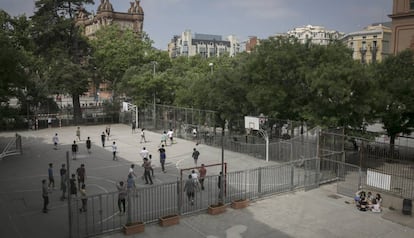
{"points": [[252, 123]]}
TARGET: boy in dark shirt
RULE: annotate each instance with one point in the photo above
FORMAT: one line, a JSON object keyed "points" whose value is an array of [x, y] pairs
{"points": [[74, 150]]}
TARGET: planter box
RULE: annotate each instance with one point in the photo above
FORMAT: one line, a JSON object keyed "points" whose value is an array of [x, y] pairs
{"points": [[169, 220], [241, 203], [216, 209], [134, 228]]}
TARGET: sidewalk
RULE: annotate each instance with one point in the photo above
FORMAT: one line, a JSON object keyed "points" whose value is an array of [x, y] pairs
{"points": [[316, 213]]}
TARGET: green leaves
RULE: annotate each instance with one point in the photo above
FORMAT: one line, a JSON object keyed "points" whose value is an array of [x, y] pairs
{"points": [[395, 103]]}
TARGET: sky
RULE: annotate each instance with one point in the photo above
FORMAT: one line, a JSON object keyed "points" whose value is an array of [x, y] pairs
{"points": [[243, 18]]}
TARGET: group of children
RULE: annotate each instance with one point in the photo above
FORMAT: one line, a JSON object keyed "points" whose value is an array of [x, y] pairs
{"points": [[79, 177], [195, 182], [367, 201]]}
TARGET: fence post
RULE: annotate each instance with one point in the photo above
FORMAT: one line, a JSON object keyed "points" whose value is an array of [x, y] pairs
{"points": [[259, 182], [292, 176], [19, 143], [69, 194], [179, 195], [129, 216], [101, 212]]}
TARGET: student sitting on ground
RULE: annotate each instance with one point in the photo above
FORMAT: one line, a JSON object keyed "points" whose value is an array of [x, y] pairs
{"points": [[370, 198], [360, 199], [363, 204], [375, 207], [378, 199], [358, 196]]}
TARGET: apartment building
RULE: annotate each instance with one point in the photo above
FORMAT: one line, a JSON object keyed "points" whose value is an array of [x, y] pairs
{"points": [[205, 45], [370, 45], [315, 34], [402, 25]]}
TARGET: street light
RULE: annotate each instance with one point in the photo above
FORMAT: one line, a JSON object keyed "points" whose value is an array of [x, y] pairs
{"points": [[154, 63], [223, 174]]}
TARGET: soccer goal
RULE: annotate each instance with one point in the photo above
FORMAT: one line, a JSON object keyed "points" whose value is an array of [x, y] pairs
{"points": [[216, 170], [13, 147]]}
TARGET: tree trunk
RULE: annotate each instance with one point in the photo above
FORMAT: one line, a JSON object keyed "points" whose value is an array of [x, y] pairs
{"points": [[77, 113], [392, 146], [301, 127]]}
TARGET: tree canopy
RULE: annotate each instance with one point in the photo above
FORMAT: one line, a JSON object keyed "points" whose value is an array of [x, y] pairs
{"points": [[280, 78]]}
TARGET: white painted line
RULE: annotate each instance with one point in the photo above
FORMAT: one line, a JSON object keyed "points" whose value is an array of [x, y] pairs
{"points": [[98, 186], [103, 179], [110, 217]]}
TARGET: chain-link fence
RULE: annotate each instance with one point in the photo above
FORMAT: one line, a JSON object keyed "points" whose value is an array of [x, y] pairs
{"points": [[104, 212], [388, 168]]}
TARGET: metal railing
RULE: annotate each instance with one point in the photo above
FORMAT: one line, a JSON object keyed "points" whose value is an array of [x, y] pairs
{"points": [[149, 204], [394, 161]]}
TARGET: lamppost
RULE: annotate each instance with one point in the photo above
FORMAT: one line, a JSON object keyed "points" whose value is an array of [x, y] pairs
{"points": [[28, 99], [223, 174], [154, 63], [211, 67]]}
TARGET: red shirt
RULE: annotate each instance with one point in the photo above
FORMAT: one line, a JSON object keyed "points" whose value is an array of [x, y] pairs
{"points": [[202, 172]]}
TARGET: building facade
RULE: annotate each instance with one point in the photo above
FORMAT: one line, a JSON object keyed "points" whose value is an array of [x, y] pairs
{"points": [[204, 45], [402, 25], [315, 34], [370, 45], [105, 15], [250, 44]]}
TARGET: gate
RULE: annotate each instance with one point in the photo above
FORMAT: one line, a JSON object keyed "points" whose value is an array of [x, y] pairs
{"points": [[349, 179], [311, 169], [102, 215]]}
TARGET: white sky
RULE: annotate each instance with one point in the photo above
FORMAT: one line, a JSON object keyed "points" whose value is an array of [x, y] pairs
{"points": [[243, 18]]}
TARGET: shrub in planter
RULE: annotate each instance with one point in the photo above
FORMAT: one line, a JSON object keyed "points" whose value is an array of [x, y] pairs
{"points": [[134, 228], [169, 220], [215, 209], [241, 203]]}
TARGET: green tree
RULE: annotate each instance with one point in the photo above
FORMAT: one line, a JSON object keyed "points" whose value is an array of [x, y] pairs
{"points": [[340, 88], [115, 50], [394, 100], [12, 71], [60, 42]]}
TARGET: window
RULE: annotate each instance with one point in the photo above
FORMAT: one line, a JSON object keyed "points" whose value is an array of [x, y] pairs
{"points": [[412, 5], [364, 45]]}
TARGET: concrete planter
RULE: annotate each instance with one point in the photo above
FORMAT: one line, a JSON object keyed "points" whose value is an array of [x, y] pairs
{"points": [[169, 220], [241, 203], [134, 228], [216, 209]]}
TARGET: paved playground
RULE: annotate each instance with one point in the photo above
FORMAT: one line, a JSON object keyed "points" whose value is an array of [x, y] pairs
{"points": [[317, 213]]}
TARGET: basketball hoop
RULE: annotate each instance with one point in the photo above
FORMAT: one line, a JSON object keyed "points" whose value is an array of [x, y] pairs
{"points": [[254, 123]]}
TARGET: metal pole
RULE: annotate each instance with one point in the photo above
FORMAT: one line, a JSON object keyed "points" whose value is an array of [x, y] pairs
{"points": [[267, 148], [69, 194], [153, 75], [153, 113], [136, 117], [266, 137], [222, 165]]}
